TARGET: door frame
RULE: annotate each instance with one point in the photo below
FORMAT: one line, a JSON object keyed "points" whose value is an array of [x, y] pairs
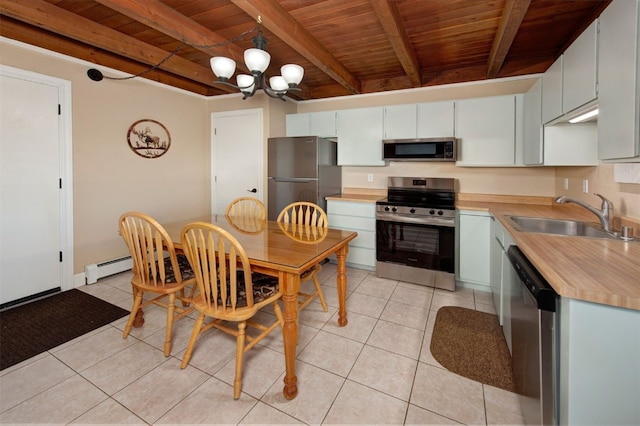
{"points": [[259, 114], [66, 166]]}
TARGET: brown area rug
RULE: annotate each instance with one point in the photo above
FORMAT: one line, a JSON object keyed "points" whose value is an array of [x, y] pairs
{"points": [[30, 329], [471, 344]]}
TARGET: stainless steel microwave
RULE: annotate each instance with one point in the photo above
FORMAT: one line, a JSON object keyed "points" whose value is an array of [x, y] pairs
{"points": [[431, 149]]}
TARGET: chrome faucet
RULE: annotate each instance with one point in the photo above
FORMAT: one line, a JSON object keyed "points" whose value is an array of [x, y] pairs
{"points": [[605, 214]]}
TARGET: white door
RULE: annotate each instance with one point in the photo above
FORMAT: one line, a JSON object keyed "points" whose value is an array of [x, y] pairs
{"points": [[30, 201], [237, 157]]}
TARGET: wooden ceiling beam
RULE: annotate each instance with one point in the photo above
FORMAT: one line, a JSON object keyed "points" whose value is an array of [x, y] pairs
{"points": [[162, 18], [52, 18], [512, 16], [287, 29], [389, 16], [35, 36]]}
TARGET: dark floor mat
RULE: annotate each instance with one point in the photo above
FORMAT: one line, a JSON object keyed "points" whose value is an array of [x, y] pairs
{"points": [[30, 329]]}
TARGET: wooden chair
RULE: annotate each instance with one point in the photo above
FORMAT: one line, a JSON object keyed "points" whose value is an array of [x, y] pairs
{"points": [[300, 218], [226, 291], [157, 269], [247, 215], [246, 206]]}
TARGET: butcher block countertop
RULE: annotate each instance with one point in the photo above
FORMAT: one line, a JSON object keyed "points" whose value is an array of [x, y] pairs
{"points": [[590, 269]]}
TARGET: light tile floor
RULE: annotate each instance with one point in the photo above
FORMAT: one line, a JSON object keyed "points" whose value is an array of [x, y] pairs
{"points": [[378, 369]]}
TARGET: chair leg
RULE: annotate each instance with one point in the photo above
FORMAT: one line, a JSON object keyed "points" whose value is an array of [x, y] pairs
{"points": [[192, 341], [237, 383], [169, 327], [316, 282], [137, 301]]}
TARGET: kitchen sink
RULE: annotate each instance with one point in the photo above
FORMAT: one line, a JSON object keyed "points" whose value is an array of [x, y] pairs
{"points": [[560, 227]]}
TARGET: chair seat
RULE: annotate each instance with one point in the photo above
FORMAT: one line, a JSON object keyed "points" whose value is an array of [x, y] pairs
{"points": [[264, 286]]}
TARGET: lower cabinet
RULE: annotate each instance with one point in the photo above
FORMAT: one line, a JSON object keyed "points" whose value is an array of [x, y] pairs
{"points": [[501, 276], [473, 242], [361, 218]]}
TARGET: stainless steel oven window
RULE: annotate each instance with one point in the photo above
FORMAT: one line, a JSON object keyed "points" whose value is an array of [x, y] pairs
{"points": [[417, 245]]}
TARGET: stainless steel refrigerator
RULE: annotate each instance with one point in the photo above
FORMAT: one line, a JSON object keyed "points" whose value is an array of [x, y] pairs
{"points": [[301, 168]]}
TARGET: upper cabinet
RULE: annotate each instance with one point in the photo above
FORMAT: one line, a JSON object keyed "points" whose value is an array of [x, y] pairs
{"points": [[561, 144], [552, 91], [571, 81], [360, 134], [579, 70], [488, 130], [425, 120], [323, 124], [400, 121], [436, 119], [533, 143], [298, 125], [619, 79]]}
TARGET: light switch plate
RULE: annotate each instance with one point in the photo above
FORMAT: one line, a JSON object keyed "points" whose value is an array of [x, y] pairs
{"points": [[585, 186]]}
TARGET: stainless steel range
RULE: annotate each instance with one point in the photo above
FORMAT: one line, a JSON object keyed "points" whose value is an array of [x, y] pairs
{"points": [[415, 231]]}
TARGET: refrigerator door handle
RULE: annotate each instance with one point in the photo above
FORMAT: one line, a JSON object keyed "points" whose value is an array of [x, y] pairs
{"points": [[301, 180]]}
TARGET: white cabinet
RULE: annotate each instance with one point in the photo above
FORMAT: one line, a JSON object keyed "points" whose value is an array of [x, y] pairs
{"points": [[501, 276], [359, 217], [533, 142], [486, 130], [360, 134], [579, 71], [400, 121], [497, 232], [568, 144], [297, 125], [599, 349], [619, 81], [552, 91], [436, 119], [323, 124], [571, 81], [560, 144], [473, 248]]}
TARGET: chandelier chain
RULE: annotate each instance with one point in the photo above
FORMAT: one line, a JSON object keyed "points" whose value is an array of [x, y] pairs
{"points": [[183, 43]]}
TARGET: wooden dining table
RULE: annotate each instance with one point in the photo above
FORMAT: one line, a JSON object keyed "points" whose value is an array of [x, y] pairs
{"points": [[276, 251]]}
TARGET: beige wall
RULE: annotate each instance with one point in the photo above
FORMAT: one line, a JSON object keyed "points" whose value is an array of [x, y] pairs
{"points": [[109, 178], [625, 196]]}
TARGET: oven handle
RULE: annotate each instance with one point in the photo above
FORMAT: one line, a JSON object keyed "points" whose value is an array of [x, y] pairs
{"points": [[399, 218]]}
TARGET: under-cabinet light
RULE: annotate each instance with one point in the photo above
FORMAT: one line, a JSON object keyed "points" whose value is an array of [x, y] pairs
{"points": [[584, 117]]}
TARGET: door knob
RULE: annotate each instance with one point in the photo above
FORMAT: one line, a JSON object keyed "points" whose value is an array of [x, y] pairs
{"points": [[254, 190]]}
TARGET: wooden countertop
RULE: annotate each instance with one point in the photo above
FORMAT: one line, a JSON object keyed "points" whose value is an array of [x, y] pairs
{"points": [[357, 197], [590, 269]]}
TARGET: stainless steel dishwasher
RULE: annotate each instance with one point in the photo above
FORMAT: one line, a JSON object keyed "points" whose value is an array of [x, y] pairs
{"points": [[534, 333]]}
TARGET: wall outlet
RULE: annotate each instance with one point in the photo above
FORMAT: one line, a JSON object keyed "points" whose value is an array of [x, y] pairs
{"points": [[565, 183], [585, 186], [370, 177]]}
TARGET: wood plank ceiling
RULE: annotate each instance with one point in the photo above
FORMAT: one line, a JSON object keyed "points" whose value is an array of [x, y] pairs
{"points": [[345, 46]]}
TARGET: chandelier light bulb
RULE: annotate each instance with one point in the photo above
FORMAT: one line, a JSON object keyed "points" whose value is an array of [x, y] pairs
{"points": [[292, 73], [257, 59], [278, 84], [245, 82], [223, 67]]}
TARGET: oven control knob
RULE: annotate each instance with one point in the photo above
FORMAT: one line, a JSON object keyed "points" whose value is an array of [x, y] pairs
{"points": [[386, 209], [432, 212], [440, 213], [394, 209], [412, 211]]}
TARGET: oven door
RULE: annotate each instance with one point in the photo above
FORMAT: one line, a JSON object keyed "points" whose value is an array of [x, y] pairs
{"points": [[420, 245]]}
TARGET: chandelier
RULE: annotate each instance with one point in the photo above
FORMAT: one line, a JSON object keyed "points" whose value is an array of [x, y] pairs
{"points": [[257, 60]]}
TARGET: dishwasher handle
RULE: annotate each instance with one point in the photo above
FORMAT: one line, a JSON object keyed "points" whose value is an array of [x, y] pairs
{"points": [[544, 295]]}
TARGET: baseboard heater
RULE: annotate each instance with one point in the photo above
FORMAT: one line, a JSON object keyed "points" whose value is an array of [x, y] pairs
{"points": [[94, 271]]}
